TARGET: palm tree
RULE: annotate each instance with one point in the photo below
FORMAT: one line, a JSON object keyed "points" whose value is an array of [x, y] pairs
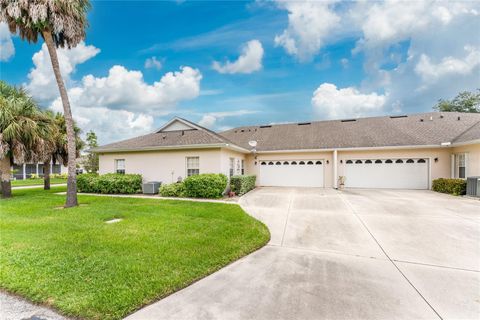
{"points": [[61, 23], [59, 153], [25, 132]]}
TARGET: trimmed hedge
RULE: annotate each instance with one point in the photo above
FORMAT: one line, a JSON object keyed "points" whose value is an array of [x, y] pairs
{"points": [[456, 187], [242, 184], [208, 185], [173, 190], [110, 183]]}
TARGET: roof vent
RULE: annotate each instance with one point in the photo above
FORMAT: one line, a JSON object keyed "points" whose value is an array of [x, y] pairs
{"points": [[441, 116], [269, 126], [348, 120], [401, 116], [421, 120], [243, 130], [458, 118], [304, 123], [164, 137], [431, 118]]}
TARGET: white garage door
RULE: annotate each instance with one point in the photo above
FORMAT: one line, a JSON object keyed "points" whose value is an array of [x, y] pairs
{"points": [[387, 173], [291, 173]]}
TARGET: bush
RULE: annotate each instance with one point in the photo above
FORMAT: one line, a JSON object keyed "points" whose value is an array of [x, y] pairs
{"points": [[110, 183], [456, 187], [59, 175], [34, 176], [173, 190], [242, 184], [209, 185]]}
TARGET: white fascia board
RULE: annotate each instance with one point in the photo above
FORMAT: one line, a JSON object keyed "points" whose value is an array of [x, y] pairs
{"points": [[477, 141], [236, 148]]}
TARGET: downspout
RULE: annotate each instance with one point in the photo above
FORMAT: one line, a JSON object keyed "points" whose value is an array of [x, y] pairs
{"points": [[335, 170]]}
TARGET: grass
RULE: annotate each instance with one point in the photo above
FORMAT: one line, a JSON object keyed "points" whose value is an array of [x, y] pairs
{"points": [[35, 182], [72, 260]]}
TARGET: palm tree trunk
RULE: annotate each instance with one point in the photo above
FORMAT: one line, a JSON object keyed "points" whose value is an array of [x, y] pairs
{"points": [[71, 146], [5, 176], [46, 174]]}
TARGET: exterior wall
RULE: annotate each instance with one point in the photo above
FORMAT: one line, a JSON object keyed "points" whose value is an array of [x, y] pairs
{"points": [[164, 166], [473, 158], [439, 169], [226, 154], [253, 165]]}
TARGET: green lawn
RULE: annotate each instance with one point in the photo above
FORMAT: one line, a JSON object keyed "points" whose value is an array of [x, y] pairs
{"points": [[34, 182], [73, 261]]}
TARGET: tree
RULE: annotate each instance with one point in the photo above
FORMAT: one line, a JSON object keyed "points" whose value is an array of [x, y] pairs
{"points": [[61, 23], [59, 152], [25, 132], [90, 162], [464, 102]]}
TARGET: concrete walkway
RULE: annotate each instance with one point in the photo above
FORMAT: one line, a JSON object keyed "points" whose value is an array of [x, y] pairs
{"points": [[363, 254], [15, 308], [156, 197], [38, 186]]}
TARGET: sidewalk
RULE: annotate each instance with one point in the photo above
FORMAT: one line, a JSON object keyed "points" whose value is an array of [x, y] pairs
{"points": [[38, 186], [14, 308]]}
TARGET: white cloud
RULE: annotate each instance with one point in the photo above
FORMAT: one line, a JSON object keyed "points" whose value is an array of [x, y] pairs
{"points": [[153, 63], [7, 49], [210, 120], [118, 105], [109, 125], [207, 121], [334, 103], [126, 89], [42, 83], [431, 72], [249, 61], [310, 23]]}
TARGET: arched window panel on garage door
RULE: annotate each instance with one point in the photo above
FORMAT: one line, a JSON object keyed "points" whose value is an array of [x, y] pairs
{"points": [[391, 174]]}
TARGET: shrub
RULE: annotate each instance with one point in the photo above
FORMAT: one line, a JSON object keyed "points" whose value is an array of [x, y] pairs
{"points": [[34, 176], [209, 185], [451, 186], [242, 184], [59, 175], [173, 190], [110, 183]]}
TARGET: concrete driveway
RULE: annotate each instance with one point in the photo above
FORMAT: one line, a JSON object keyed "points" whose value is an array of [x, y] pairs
{"points": [[356, 254]]}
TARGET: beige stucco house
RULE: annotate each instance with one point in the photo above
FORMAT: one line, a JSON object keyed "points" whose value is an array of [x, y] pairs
{"points": [[404, 152]]}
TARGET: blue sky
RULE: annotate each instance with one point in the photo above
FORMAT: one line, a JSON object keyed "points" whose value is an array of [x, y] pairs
{"points": [[226, 64]]}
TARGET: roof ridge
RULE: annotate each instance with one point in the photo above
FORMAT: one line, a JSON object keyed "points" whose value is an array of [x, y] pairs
{"points": [[214, 134], [469, 128], [340, 119]]}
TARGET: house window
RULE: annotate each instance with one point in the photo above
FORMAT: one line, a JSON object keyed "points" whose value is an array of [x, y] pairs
{"points": [[193, 166], [232, 166], [460, 166], [243, 167], [120, 166]]}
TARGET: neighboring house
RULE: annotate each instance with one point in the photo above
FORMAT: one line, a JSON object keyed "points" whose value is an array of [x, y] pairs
{"points": [[379, 152], [25, 171]]}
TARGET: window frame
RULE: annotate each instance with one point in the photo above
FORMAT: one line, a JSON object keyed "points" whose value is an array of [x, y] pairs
{"points": [[231, 167], [191, 171], [457, 165], [116, 167]]}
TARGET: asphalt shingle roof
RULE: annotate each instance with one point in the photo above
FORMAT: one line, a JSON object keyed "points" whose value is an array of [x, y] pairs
{"points": [[427, 129], [431, 128]]}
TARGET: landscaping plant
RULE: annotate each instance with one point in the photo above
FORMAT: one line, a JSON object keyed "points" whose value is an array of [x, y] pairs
{"points": [[242, 184], [61, 23], [456, 187], [110, 183], [173, 190], [207, 185]]}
